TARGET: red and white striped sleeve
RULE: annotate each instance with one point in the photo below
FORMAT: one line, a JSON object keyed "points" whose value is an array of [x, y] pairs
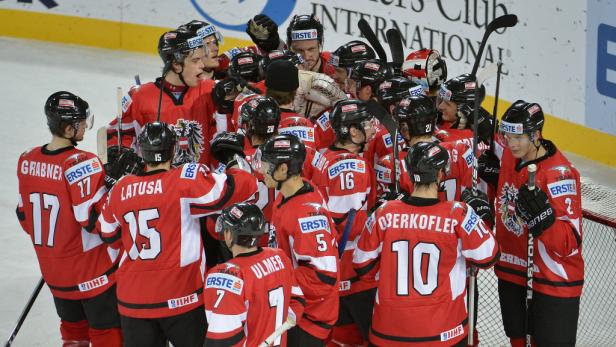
{"points": [[367, 253]]}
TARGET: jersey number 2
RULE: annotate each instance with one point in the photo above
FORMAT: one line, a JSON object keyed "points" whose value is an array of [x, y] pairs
{"points": [[140, 225], [423, 286]]}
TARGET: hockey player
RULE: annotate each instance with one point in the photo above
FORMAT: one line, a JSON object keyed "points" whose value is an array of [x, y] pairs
{"points": [[305, 37], [552, 213], [346, 180], [60, 192], [365, 79], [187, 105], [154, 218], [426, 67], [419, 246], [251, 295], [306, 233], [456, 102], [344, 58], [212, 39]]}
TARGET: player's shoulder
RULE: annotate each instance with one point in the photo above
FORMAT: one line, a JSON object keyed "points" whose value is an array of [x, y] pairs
{"points": [[80, 164], [226, 276], [190, 171], [30, 152]]}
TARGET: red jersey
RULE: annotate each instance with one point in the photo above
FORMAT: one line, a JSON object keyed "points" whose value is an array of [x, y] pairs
{"points": [[323, 131], [249, 297], [325, 66], [418, 249], [60, 193], [294, 124], [154, 218], [558, 262], [304, 231], [382, 145], [458, 176], [346, 181], [188, 111]]}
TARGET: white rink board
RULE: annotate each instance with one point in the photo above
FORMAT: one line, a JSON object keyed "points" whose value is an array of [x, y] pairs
{"points": [[545, 55]]}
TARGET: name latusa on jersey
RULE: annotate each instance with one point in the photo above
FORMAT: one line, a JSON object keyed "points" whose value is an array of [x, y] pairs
{"points": [[141, 188]]}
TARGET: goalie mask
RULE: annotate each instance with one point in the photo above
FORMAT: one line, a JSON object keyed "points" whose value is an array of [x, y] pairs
{"points": [[426, 67]]}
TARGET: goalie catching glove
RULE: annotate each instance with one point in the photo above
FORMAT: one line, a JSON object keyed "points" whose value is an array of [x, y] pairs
{"points": [[316, 88]]}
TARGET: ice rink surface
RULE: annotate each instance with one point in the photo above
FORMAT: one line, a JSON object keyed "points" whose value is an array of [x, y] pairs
{"points": [[31, 72]]}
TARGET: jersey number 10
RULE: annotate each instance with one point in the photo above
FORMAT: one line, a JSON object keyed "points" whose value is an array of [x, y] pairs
{"points": [[423, 286]]}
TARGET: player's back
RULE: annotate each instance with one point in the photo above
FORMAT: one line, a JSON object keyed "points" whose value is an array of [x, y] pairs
{"points": [[262, 288], [423, 271], [161, 272], [58, 190]]}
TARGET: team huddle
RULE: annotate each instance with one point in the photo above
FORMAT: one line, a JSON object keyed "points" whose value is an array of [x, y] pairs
{"points": [[280, 194]]}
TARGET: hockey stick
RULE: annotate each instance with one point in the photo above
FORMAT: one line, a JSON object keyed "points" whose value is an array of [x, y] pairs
{"points": [[25, 312], [532, 170], [288, 324], [505, 21], [391, 125], [366, 30], [346, 232], [495, 112], [119, 116], [397, 51]]}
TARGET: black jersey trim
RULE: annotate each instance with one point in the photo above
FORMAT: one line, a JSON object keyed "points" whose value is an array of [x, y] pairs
{"points": [[299, 299], [488, 264], [176, 101], [155, 305], [46, 151], [418, 201], [317, 323], [229, 341], [92, 220], [248, 254], [74, 288], [306, 188], [20, 215], [412, 339], [364, 270], [539, 279], [550, 150], [111, 239], [153, 172]]}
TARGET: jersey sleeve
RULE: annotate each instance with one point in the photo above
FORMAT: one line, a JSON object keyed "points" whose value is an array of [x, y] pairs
{"points": [[224, 307], [383, 175], [108, 225], [213, 192], [479, 246], [367, 253], [314, 249], [298, 301], [562, 186], [127, 126], [84, 176]]}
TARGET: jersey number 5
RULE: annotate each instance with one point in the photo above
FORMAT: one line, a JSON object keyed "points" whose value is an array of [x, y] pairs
{"points": [[139, 225], [425, 261]]}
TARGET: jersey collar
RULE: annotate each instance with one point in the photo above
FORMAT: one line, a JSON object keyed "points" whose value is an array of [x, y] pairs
{"points": [[550, 150], [45, 151]]}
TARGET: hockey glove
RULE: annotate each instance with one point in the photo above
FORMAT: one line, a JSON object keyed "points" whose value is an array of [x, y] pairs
{"points": [[489, 167], [128, 163], [225, 145], [535, 209], [485, 127], [480, 205], [264, 32], [224, 94]]}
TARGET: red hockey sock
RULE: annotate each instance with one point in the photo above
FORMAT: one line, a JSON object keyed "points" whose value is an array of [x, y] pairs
{"points": [[346, 335], [106, 337], [74, 333], [520, 342]]}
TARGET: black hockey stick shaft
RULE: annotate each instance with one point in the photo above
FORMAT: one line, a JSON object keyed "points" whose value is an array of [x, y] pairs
{"points": [[495, 111], [366, 30], [532, 170], [504, 21], [390, 124], [395, 46], [25, 312], [162, 86]]}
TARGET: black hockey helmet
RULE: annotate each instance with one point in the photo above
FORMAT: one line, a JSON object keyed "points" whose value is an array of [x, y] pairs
{"points": [[418, 113], [246, 65], [282, 149], [157, 142], [174, 45], [64, 108], [425, 160], [278, 54], [397, 88], [203, 29], [348, 113], [245, 221], [260, 116], [369, 73], [461, 90], [426, 67], [522, 118], [352, 52], [304, 27]]}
